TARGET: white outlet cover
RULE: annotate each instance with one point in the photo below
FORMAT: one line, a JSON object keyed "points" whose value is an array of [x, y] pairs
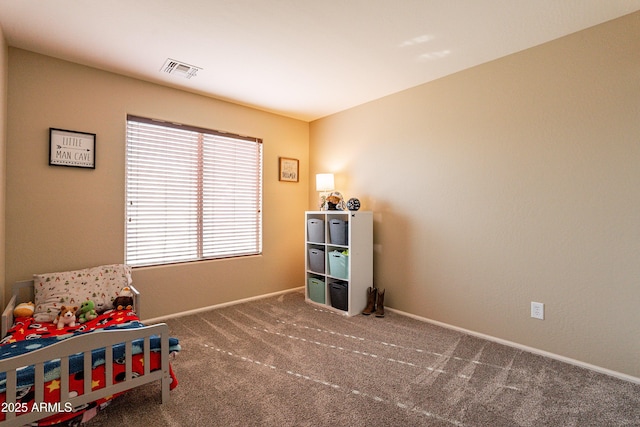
{"points": [[537, 310]]}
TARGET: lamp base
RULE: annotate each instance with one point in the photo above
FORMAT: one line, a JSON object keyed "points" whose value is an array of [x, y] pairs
{"points": [[323, 203]]}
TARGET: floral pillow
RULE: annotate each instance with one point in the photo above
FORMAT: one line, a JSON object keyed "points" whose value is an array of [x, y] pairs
{"points": [[99, 284]]}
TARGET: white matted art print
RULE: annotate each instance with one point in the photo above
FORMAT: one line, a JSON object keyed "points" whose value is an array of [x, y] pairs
{"points": [[288, 169], [71, 148]]}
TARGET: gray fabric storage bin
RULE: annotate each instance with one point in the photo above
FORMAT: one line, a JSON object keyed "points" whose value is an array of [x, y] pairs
{"points": [[316, 260], [338, 231], [315, 230]]}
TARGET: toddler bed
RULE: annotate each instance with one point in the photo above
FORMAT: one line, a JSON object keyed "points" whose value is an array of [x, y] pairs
{"points": [[65, 376]]}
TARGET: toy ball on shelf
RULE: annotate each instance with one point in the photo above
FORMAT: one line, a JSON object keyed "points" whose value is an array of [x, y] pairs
{"points": [[353, 204]]}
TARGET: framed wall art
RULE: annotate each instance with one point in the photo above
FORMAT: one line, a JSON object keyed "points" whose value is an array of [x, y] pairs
{"points": [[72, 148], [289, 169]]}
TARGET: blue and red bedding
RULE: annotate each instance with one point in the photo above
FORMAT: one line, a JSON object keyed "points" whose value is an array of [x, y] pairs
{"points": [[27, 335]]}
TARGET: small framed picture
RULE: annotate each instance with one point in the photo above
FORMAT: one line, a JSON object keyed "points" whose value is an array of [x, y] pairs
{"points": [[288, 169], [71, 148]]}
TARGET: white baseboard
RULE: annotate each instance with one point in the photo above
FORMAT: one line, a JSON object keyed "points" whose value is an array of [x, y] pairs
{"points": [[569, 360], [213, 307]]}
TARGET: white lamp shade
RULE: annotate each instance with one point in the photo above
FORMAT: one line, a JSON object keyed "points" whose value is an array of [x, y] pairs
{"points": [[324, 182]]}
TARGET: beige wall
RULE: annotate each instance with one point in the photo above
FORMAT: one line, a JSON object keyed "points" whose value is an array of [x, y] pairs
{"points": [[4, 53], [62, 218], [515, 181]]}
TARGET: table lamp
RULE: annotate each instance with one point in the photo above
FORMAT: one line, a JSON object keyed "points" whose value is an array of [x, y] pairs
{"points": [[324, 185]]}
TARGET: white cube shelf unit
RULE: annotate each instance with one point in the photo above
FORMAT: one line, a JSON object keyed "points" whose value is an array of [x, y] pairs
{"points": [[339, 259]]}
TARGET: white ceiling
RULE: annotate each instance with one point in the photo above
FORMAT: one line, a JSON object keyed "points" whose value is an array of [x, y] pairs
{"points": [[301, 58]]}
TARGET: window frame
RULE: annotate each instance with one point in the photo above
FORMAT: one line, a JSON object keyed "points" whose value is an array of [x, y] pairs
{"points": [[205, 191]]}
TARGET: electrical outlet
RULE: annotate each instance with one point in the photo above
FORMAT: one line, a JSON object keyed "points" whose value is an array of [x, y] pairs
{"points": [[537, 310]]}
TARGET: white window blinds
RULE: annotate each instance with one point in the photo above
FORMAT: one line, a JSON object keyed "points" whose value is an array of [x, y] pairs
{"points": [[192, 193]]}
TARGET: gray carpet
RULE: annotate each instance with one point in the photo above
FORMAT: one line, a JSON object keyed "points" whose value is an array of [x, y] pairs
{"points": [[282, 362]]}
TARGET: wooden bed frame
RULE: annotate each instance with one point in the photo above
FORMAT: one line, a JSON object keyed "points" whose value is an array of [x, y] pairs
{"points": [[23, 292]]}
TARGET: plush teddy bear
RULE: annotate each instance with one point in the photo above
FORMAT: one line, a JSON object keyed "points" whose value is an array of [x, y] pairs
{"points": [[66, 317], [335, 202], [124, 300], [86, 312], [332, 202], [24, 309]]}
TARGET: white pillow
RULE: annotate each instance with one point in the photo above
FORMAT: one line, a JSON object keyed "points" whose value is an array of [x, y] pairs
{"points": [[70, 288]]}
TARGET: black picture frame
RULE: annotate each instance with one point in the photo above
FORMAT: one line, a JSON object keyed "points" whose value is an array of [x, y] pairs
{"points": [[71, 148]]}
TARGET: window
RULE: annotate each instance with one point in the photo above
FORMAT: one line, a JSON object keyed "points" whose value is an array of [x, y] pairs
{"points": [[192, 193]]}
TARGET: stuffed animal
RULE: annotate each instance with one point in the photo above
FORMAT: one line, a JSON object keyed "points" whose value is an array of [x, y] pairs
{"points": [[86, 312], [124, 299], [66, 317], [335, 202], [24, 309]]}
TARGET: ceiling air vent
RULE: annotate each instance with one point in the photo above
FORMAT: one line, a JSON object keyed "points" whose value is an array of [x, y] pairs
{"points": [[171, 66]]}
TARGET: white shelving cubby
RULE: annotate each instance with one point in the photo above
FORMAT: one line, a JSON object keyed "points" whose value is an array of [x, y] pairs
{"points": [[339, 259]]}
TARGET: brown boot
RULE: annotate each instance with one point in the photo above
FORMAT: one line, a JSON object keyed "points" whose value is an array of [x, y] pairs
{"points": [[371, 301], [380, 304]]}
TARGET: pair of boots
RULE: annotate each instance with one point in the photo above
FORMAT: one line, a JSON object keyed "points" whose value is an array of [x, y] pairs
{"points": [[375, 302]]}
